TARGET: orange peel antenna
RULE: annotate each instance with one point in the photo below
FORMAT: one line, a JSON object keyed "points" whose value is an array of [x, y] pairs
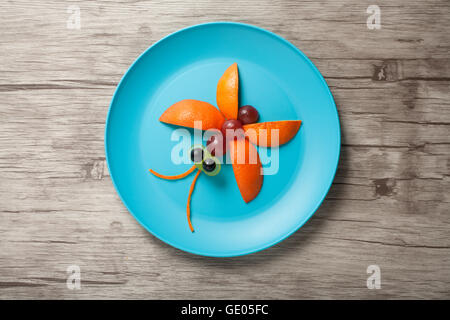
{"points": [[188, 207], [175, 177]]}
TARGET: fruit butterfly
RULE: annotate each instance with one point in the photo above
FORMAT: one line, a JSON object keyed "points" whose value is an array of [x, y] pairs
{"points": [[248, 174]]}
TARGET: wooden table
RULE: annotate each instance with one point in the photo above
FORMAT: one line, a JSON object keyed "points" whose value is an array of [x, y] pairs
{"points": [[389, 204]]}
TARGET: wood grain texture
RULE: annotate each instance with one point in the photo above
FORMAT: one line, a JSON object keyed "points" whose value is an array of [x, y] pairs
{"points": [[389, 204]]}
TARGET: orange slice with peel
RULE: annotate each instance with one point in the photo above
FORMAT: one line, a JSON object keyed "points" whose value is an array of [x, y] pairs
{"points": [[186, 112], [261, 133], [227, 92], [246, 167]]}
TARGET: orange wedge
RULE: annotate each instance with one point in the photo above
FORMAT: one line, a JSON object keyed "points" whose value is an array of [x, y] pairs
{"points": [[185, 112], [261, 133], [227, 92], [247, 168]]}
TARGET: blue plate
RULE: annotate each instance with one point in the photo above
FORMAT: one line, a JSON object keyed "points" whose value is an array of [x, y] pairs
{"points": [[276, 78]]}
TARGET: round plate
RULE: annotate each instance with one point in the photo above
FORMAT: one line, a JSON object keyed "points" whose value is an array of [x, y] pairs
{"points": [[276, 78]]}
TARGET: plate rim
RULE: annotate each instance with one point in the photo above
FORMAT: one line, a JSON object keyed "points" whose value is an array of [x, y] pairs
{"points": [[238, 252]]}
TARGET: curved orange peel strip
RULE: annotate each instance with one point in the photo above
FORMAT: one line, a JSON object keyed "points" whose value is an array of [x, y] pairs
{"points": [[175, 177], [188, 207]]}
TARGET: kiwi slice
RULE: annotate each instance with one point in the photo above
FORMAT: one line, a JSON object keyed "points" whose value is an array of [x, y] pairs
{"points": [[210, 165]]}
